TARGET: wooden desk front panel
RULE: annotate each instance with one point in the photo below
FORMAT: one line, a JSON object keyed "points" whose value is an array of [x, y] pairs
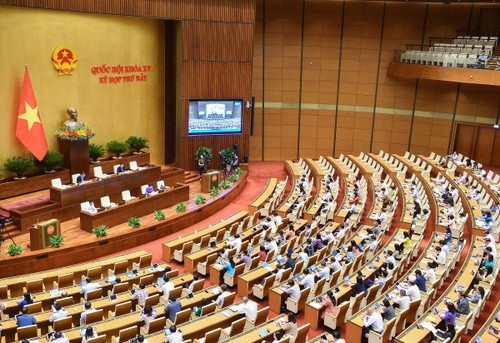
{"points": [[137, 208]]}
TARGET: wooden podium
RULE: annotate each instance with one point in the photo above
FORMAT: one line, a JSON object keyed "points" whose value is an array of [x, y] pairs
{"points": [[76, 155], [40, 234], [210, 180]]}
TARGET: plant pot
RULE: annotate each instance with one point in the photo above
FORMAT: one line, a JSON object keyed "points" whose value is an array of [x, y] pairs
{"points": [[50, 171], [138, 152], [20, 178], [95, 162], [116, 157]]}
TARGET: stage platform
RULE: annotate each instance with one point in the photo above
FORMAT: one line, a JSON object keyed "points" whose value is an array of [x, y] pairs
{"points": [[80, 246]]}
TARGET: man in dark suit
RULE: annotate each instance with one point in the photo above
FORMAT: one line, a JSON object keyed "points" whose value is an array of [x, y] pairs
{"points": [[120, 169], [80, 178]]}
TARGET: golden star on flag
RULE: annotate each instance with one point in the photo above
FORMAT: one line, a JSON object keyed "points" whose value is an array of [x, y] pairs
{"points": [[31, 115]]}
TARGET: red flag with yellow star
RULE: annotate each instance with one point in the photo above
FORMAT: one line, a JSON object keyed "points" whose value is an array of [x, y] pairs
{"points": [[29, 129]]}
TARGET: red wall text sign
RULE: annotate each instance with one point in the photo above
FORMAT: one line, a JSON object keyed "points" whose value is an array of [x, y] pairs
{"points": [[121, 73]]}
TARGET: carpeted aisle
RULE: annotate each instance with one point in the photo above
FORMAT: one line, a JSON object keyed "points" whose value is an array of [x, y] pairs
{"points": [[259, 174]]}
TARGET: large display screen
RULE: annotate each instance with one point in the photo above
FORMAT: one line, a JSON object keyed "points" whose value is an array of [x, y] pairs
{"points": [[215, 116]]}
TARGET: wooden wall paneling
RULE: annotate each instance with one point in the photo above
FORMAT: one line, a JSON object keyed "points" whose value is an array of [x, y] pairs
{"points": [[495, 156], [484, 144], [212, 10], [464, 139]]}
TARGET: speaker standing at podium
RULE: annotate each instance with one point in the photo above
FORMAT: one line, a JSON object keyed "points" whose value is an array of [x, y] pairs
{"points": [[201, 164]]}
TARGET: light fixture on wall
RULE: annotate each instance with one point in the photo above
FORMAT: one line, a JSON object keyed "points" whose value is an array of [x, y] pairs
{"points": [[248, 104]]}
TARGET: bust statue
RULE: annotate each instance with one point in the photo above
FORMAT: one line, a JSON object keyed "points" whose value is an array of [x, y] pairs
{"points": [[72, 123]]}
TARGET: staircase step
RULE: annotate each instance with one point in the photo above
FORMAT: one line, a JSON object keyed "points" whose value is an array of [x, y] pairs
{"points": [[191, 177]]}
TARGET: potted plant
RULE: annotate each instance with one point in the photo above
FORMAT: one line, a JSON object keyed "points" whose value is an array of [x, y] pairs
{"points": [[117, 148], [18, 165], [200, 199], [214, 192], [100, 231], [226, 156], [96, 151], [56, 241], [239, 171], [134, 222], [181, 207], [203, 150], [160, 215], [137, 143], [14, 250], [224, 184], [52, 160], [233, 178]]}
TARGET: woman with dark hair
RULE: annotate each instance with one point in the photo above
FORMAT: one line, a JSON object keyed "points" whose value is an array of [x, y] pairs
{"points": [[477, 296], [27, 299], [90, 332], [448, 317], [330, 305], [289, 326], [407, 243], [148, 314], [228, 268], [359, 286], [443, 335]]}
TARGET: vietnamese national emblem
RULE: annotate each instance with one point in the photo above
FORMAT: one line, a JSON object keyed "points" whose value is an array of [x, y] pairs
{"points": [[64, 60]]}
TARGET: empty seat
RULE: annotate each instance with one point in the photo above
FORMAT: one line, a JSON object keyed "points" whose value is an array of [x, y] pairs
{"points": [[126, 196], [98, 173], [105, 202]]}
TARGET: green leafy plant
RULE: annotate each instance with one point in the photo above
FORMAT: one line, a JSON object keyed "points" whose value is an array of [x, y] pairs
{"points": [[100, 231], [56, 241], [207, 153], [96, 151], [181, 207], [239, 171], [52, 160], [134, 222], [224, 184], [227, 155], [117, 148], [233, 178], [160, 215], [137, 143], [14, 250], [200, 199], [18, 165], [214, 192]]}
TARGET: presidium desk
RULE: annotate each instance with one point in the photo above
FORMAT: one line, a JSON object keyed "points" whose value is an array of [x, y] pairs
{"points": [[134, 208], [64, 204]]}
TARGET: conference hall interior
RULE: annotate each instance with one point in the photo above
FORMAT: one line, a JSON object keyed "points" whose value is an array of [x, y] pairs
{"points": [[249, 171]]}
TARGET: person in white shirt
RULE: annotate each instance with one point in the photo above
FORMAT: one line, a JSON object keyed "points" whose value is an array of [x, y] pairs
{"points": [[271, 224], [413, 292], [87, 308], [59, 313], [272, 245], [89, 286], [382, 216], [430, 273], [403, 301], [372, 321], [220, 299], [175, 335], [236, 243], [277, 218], [334, 265], [293, 290], [249, 308], [303, 256], [166, 287], [440, 257], [308, 280], [446, 249], [324, 271]]}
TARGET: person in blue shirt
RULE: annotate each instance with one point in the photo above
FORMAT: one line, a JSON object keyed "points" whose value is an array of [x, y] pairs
{"points": [[149, 190], [448, 236], [172, 308], [25, 319], [27, 299], [228, 268], [420, 281], [359, 286]]}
